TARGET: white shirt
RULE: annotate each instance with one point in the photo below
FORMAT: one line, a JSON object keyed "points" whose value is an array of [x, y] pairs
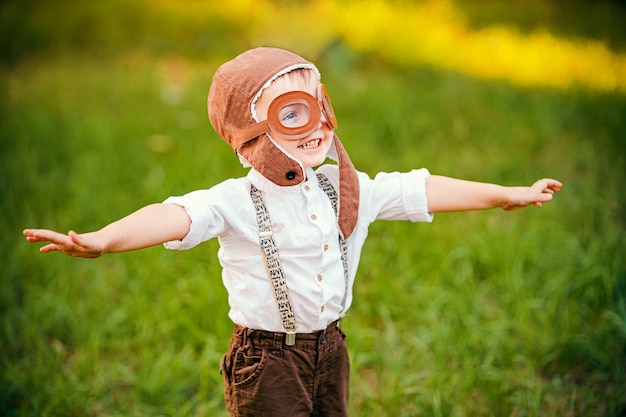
{"points": [[306, 234]]}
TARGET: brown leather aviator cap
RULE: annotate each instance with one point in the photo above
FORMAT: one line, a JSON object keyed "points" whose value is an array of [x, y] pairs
{"points": [[236, 86]]}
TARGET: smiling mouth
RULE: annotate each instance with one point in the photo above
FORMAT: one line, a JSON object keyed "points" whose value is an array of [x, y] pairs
{"points": [[312, 144]]}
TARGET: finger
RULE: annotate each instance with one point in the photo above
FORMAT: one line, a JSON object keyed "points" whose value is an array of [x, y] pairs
{"points": [[49, 248], [43, 234], [80, 240], [556, 187], [83, 247], [73, 237], [58, 241], [33, 239], [552, 184], [30, 235], [548, 183]]}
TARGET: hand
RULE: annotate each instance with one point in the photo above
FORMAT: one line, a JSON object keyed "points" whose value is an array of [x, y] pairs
{"points": [[72, 244], [537, 194]]}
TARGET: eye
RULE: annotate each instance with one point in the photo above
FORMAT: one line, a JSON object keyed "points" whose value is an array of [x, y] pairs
{"points": [[294, 115], [289, 117]]}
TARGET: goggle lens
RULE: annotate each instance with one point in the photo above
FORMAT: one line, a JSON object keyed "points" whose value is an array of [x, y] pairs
{"points": [[294, 115]]}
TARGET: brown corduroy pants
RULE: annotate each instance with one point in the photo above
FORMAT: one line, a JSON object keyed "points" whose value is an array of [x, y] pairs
{"points": [[264, 377]]}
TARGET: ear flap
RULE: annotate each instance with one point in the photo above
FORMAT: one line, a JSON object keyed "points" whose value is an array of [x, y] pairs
{"points": [[271, 162], [348, 191]]}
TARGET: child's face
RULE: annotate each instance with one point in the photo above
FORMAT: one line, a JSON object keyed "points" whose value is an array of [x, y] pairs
{"points": [[311, 150]]}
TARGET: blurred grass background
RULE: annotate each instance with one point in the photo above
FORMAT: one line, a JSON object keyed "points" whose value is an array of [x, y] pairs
{"points": [[492, 313]]}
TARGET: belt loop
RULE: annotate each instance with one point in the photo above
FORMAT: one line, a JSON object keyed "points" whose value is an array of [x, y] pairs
{"points": [[278, 344]]}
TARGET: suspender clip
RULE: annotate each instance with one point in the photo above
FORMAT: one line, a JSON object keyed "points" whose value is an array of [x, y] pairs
{"points": [[290, 338]]}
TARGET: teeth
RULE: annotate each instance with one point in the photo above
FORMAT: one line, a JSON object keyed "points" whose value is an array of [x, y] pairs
{"points": [[310, 144]]}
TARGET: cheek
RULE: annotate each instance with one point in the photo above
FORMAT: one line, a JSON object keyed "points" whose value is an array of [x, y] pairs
{"points": [[329, 135], [329, 145], [288, 145]]}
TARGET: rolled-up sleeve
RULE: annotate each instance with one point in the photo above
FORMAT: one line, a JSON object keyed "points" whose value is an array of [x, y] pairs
{"points": [[395, 196], [197, 229], [414, 195], [211, 212]]}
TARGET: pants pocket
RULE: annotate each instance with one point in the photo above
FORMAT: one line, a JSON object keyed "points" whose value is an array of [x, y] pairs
{"points": [[248, 365]]}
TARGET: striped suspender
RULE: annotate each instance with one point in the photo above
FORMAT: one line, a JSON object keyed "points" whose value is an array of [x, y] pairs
{"points": [[272, 260], [272, 265], [332, 195]]}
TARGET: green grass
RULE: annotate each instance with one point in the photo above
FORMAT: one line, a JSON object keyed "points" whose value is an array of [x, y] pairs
{"points": [[478, 314]]}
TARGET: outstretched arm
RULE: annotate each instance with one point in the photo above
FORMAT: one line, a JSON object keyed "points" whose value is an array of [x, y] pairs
{"points": [[446, 194], [148, 226]]}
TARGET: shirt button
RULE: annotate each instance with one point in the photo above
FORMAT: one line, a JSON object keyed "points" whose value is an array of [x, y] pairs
{"points": [[325, 247], [307, 188], [319, 278], [322, 309], [313, 216]]}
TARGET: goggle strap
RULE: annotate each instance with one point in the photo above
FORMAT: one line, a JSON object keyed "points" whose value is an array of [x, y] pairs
{"points": [[250, 133]]}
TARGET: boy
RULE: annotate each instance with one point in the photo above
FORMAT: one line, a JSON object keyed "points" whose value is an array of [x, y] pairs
{"points": [[290, 237]]}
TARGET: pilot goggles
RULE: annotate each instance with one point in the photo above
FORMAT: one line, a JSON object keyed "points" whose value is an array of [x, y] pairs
{"points": [[294, 115]]}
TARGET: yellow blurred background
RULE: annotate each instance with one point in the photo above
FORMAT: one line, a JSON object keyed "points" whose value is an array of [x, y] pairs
{"points": [[408, 33]]}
